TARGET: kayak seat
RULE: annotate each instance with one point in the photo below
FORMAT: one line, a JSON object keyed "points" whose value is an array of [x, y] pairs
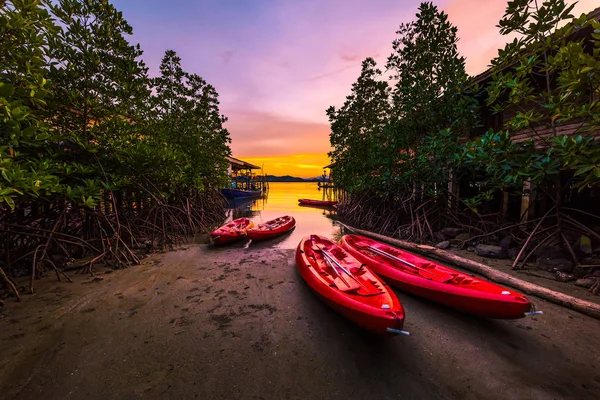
{"points": [[433, 277], [462, 280]]}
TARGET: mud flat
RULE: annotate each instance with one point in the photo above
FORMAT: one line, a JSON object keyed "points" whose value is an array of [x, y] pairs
{"points": [[239, 323]]}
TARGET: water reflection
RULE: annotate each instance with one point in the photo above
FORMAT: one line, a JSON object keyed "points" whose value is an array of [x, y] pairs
{"points": [[282, 199], [245, 207]]}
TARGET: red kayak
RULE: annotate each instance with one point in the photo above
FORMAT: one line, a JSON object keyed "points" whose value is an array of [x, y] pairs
{"points": [[231, 231], [322, 203], [422, 277], [349, 287], [272, 228]]}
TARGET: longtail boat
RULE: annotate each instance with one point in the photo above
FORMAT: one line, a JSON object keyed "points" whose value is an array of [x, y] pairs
{"points": [[238, 193], [322, 203]]}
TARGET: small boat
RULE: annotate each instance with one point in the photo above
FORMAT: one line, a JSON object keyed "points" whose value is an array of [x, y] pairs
{"points": [[231, 231], [237, 193], [348, 286], [322, 203], [425, 278], [272, 228]]}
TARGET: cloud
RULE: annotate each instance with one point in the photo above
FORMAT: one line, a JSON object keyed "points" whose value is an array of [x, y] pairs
{"points": [[278, 65], [480, 38], [259, 134], [226, 56]]}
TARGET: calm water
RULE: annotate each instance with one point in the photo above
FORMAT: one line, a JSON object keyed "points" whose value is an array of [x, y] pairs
{"points": [[281, 200]]}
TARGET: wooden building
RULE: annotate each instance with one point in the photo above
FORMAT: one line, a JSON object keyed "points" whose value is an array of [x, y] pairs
{"points": [[242, 175], [542, 134]]}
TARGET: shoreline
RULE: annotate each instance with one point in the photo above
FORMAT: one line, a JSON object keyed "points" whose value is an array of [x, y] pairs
{"points": [[236, 322]]}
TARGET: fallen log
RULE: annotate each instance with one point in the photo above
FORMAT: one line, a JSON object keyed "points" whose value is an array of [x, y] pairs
{"points": [[585, 307]]}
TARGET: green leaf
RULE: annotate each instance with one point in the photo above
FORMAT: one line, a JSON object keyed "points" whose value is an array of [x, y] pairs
{"points": [[6, 89]]}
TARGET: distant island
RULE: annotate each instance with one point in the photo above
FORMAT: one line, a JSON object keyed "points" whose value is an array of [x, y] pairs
{"points": [[288, 178]]}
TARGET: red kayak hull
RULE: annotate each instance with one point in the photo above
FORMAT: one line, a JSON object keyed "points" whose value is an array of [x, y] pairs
{"points": [[438, 282], [322, 203], [232, 231], [272, 228], [372, 305]]}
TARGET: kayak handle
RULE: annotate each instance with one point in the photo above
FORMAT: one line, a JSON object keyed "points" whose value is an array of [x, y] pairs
{"points": [[527, 314], [392, 330]]}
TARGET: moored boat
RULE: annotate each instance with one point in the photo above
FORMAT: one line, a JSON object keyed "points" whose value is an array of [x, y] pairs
{"points": [[272, 228], [437, 282], [322, 203], [232, 231], [237, 193], [349, 287]]}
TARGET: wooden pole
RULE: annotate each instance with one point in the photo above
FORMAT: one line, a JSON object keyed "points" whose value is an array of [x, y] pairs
{"points": [[582, 306]]}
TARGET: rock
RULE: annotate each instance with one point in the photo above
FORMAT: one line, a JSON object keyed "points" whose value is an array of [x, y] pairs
{"points": [[590, 261], [505, 242], [460, 239], [451, 233], [439, 236], [513, 253], [471, 249], [463, 236], [443, 245], [487, 250], [564, 277], [556, 264], [585, 282]]}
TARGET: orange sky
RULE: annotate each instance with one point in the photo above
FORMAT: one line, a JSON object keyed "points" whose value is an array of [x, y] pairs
{"points": [[300, 165]]}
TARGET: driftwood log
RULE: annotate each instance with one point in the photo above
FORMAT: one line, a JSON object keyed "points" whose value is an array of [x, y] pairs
{"points": [[582, 306]]}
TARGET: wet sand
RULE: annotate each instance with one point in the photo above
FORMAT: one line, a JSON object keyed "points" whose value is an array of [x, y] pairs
{"points": [[239, 323]]}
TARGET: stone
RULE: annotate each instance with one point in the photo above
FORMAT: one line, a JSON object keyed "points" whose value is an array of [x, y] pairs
{"points": [[487, 250], [564, 277], [460, 239], [556, 264], [439, 236], [585, 282], [505, 242], [443, 245], [463, 236], [451, 233], [590, 261]]}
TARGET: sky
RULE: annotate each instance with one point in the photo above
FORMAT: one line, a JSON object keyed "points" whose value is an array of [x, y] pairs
{"points": [[279, 64]]}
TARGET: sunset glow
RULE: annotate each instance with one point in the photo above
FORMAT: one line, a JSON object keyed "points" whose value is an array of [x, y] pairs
{"points": [[278, 65], [300, 165]]}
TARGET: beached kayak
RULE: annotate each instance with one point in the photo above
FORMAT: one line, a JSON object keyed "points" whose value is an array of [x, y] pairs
{"points": [[437, 282], [272, 228], [231, 231], [322, 203], [349, 287]]}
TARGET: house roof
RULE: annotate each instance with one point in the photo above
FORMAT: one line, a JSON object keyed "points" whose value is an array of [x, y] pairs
{"points": [[240, 164]]}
